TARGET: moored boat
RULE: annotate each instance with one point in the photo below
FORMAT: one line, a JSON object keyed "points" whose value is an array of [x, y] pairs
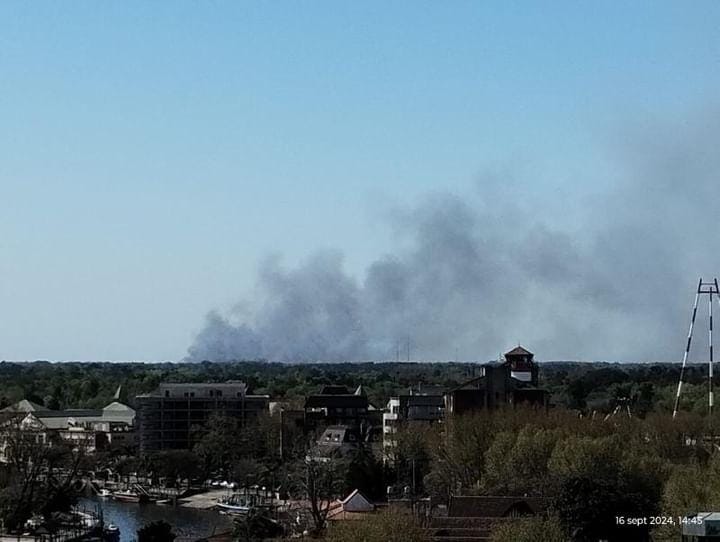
{"points": [[111, 533], [233, 508], [233, 505], [128, 496]]}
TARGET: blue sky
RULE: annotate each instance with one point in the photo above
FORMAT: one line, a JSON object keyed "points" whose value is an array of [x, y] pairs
{"points": [[152, 154]]}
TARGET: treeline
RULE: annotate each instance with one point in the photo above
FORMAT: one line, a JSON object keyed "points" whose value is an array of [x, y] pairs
{"points": [[589, 470], [582, 386]]}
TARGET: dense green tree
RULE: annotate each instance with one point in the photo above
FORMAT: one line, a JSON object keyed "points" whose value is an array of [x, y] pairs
{"points": [[364, 472], [459, 460], [588, 507], [176, 465], [49, 401], [533, 529], [379, 527], [218, 445], [576, 394], [517, 464], [320, 482], [157, 531], [582, 456], [39, 475], [690, 488], [255, 526]]}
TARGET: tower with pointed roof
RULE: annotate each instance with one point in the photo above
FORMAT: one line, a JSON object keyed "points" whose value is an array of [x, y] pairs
{"points": [[522, 366]]}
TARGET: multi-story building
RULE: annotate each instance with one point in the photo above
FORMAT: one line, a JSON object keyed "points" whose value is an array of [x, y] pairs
{"points": [[420, 405], [169, 418], [336, 405], [511, 382]]}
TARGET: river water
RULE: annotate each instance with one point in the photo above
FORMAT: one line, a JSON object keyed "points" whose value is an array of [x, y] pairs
{"points": [[188, 523]]}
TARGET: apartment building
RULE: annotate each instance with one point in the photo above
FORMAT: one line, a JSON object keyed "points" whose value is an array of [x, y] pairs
{"points": [[170, 417], [418, 405]]}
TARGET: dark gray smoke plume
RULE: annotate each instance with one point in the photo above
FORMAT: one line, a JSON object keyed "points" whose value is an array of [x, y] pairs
{"points": [[485, 272]]}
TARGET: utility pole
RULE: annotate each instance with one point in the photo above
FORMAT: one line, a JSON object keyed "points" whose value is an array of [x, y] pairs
{"points": [[282, 435]]}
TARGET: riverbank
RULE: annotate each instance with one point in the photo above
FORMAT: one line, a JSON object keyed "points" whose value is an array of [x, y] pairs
{"points": [[203, 501]]}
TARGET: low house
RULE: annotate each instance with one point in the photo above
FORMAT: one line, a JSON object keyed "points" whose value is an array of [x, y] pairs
{"points": [[17, 431], [474, 517], [496, 507], [335, 442], [354, 506], [89, 429]]}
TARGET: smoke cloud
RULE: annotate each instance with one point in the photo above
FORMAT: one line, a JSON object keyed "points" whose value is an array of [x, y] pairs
{"points": [[484, 271]]}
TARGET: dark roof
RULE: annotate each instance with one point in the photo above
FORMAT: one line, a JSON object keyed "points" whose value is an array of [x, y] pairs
{"points": [[336, 401], [494, 507], [519, 351], [24, 405], [471, 384], [334, 390], [80, 413], [422, 400], [426, 389]]}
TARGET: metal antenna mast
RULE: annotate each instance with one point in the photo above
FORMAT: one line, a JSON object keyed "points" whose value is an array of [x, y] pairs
{"points": [[711, 289], [710, 345]]}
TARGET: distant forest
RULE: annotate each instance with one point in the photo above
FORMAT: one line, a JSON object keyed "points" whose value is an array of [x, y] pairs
{"points": [[583, 386]]}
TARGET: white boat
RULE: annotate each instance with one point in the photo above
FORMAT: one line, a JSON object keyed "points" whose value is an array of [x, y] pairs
{"points": [[233, 505], [112, 533], [126, 496], [233, 508], [105, 493]]}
